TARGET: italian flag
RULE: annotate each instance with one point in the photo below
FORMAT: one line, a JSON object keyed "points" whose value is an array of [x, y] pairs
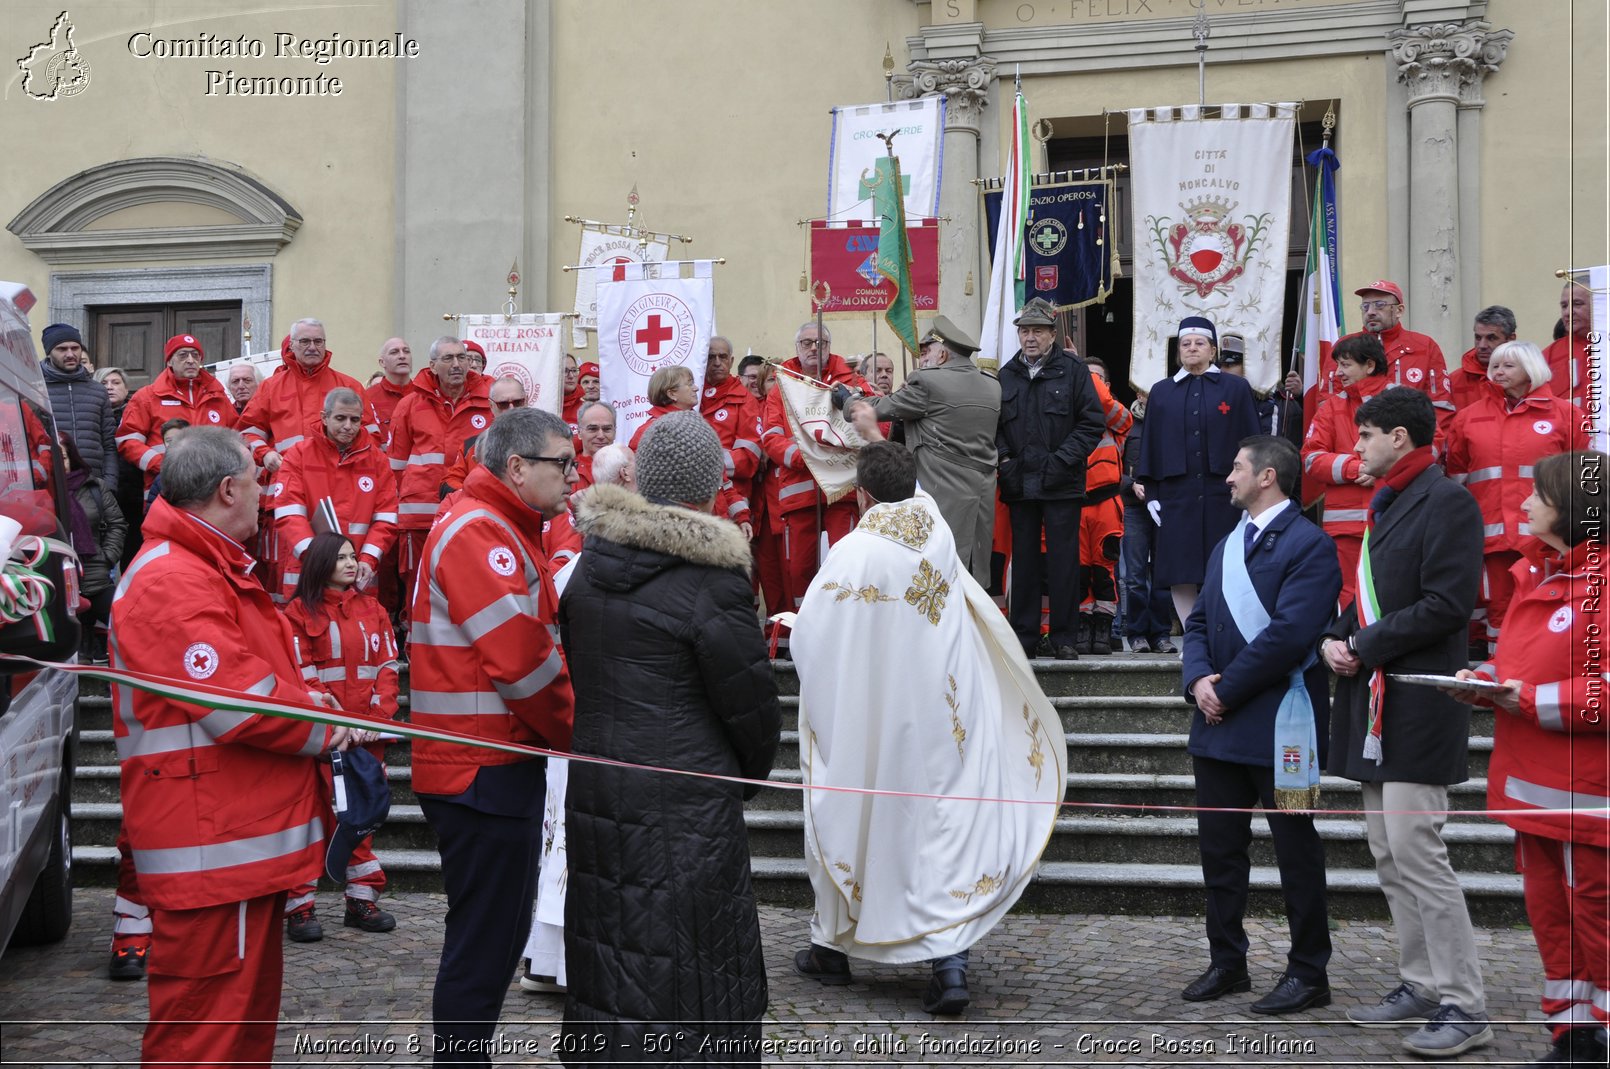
{"points": [[1320, 322]]}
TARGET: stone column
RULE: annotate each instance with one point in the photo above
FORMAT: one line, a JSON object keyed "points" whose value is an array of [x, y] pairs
{"points": [[1494, 46], [965, 85], [1434, 63]]}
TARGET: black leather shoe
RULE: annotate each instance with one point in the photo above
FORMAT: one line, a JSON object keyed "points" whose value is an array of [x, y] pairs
{"points": [[824, 965], [947, 992], [1293, 994], [1066, 653], [1216, 983]]}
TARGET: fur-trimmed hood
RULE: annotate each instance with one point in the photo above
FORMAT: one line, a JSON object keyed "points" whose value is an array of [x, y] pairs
{"points": [[616, 514]]}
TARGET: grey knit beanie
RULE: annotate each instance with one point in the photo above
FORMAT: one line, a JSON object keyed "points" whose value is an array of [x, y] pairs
{"points": [[680, 460]]}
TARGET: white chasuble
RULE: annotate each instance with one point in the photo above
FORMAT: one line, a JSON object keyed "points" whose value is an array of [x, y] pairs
{"points": [[911, 682]]}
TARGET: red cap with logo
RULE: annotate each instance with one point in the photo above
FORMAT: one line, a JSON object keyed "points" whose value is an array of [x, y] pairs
{"points": [[586, 369], [177, 342], [474, 347], [1381, 285]]}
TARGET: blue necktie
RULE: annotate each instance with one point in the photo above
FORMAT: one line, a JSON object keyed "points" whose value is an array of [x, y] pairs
{"points": [[1251, 538]]}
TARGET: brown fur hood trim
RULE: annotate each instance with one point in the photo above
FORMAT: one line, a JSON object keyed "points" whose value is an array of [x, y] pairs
{"points": [[618, 515]]}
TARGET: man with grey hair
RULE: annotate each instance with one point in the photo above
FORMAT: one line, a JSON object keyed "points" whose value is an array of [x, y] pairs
{"points": [[242, 381], [214, 848], [1494, 326], [614, 464], [447, 404], [484, 661], [595, 428], [795, 506], [336, 480]]}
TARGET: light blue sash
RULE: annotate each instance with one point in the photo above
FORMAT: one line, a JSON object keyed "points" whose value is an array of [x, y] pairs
{"points": [[1296, 757]]}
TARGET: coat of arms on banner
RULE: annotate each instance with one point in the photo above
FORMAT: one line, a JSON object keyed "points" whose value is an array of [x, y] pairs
{"points": [[1205, 250]]}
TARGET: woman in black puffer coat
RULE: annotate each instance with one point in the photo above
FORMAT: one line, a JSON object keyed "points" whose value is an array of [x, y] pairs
{"points": [[662, 938]]}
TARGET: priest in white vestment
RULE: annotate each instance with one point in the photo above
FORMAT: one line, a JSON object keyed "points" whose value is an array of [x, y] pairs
{"points": [[951, 708]]}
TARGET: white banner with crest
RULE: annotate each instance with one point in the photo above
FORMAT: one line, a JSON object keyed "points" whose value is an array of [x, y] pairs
{"points": [[646, 323], [825, 438], [612, 246], [528, 346], [919, 129], [1212, 219]]}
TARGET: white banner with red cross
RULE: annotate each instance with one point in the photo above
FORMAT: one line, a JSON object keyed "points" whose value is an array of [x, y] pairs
{"points": [[1212, 220], [529, 347], [646, 323], [613, 247]]}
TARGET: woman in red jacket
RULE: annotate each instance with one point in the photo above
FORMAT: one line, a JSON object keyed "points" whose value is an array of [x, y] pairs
{"points": [[1491, 448], [344, 641], [1330, 466], [1550, 768]]}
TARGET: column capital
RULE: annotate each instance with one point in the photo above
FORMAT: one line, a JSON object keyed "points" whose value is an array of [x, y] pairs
{"points": [[964, 83], [1448, 61]]}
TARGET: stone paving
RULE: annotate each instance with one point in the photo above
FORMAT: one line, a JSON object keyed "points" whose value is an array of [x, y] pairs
{"points": [[1063, 989]]}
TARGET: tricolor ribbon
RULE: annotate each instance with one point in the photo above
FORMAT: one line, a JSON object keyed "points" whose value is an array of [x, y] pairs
{"points": [[1369, 611]]}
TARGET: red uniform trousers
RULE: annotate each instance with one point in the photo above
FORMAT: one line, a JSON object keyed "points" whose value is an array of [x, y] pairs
{"points": [[131, 920], [1348, 548], [770, 581], [801, 545], [1492, 600], [1567, 889], [1101, 532], [410, 545], [214, 983], [365, 878]]}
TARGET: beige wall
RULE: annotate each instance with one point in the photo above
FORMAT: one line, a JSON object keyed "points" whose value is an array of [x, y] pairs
{"points": [[331, 158], [1544, 155], [718, 112]]}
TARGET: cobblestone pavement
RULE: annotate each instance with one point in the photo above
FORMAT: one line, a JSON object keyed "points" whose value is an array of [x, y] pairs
{"points": [[1062, 989]]}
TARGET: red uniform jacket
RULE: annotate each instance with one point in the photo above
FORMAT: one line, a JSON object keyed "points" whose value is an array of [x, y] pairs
{"points": [[1105, 467], [202, 401], [789, 485], [350, 647], [1329, 463], [379, 404], [735, 414], [427, 431], [289, 405], [1413, 360], [1552, 753], [1568, 359], [560, 541], [219, 805], [571, 407], [359, 485], [484, 656], [1468, 382], [1491, 449]]}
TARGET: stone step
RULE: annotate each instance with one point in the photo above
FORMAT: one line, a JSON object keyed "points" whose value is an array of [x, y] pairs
{"points": [[1494, 899]]}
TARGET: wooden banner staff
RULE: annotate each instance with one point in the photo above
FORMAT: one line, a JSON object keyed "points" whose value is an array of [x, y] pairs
{"points": [[821, 293], [631, 229]]}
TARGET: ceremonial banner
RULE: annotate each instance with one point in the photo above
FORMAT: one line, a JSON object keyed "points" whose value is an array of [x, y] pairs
{"points": [[608, 246], [998, 339], [845, 256], [894, 251], [1069, 255], [1319, 321], [825, 438], [646, 323], [1598, 407], [919, 128], [1212, 213], [529, 346]]}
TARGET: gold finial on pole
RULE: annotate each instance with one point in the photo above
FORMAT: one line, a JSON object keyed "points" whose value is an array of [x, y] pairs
{"points": [[246, 330], [888, 70], [511, 307]]}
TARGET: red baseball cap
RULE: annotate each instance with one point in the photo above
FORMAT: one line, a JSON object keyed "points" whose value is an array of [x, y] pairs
{"points": [[1381, 285], [474, 347], [180, 341], [586, 369]]}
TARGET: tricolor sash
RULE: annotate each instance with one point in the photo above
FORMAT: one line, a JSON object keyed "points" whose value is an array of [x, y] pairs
{"points": [[1296, 758], [1369, 611]]}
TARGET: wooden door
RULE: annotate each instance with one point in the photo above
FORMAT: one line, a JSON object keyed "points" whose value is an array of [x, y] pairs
{"points": [[132, 336]]}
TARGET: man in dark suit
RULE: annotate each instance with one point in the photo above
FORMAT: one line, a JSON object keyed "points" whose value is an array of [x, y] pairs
{"points": [[1269, 591], [1418, 576]]}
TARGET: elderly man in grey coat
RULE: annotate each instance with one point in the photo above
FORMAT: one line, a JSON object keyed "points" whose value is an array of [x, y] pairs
{"points": [[950, 409]]}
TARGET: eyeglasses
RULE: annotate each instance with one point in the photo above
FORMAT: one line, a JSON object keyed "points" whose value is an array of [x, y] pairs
{"points": [[808, 343], [1376, 306], [566, 464], [516, 403], [308, 341], [454, 358]]}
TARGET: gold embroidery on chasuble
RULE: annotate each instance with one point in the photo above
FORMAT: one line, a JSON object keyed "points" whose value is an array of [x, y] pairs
{"points": [[869, 593], [957, 732], [849, 881], [1036, 751], [910, 525], [985, 885], [927, 592]]}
